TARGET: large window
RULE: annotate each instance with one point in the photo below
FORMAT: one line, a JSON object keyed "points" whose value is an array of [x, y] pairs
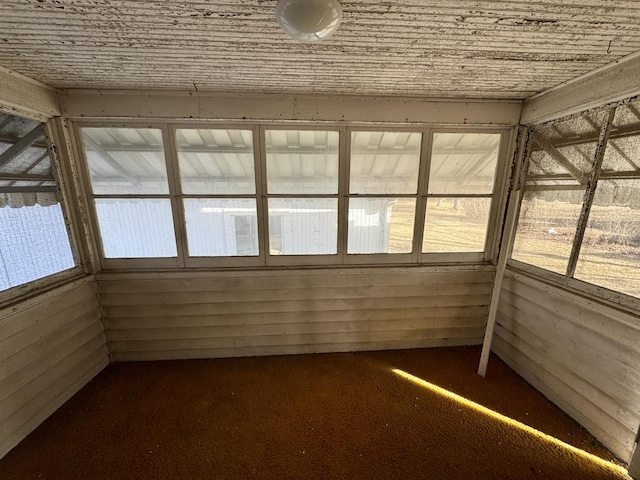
{"points": [[291, 195], [34, 240], [580, 213]]}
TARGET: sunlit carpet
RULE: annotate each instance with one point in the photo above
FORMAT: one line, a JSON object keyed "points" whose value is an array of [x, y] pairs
{"points": [[378, 415]]}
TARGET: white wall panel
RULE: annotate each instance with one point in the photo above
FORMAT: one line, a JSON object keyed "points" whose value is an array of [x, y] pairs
{"points": [[585, 360], [161, 316], [51, 345]]}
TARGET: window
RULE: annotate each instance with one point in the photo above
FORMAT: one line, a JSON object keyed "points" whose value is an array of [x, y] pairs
{"points": [[383, 189], [302, 190], [217, 176], [580, 213], [461, 185], [34, 240], [219, 195], [131, 192]]}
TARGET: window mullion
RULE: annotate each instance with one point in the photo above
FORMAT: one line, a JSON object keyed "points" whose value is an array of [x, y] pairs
{"points": [[343, 193], [590, 191], [261, 190], [175, 192], [421, 200]]}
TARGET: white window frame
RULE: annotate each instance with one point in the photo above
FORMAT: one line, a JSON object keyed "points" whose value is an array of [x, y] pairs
{"points": [[62, 180], [264, 259]]}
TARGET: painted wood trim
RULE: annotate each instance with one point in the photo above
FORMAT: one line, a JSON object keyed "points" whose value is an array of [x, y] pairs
{"points": [[611, 83], [313, 108], [21, 95]]}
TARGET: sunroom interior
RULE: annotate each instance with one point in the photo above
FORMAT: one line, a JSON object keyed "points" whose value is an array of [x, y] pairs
{"points": [[202, 186]]}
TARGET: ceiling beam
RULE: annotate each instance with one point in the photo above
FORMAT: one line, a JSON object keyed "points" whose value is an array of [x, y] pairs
{"points": [[613, 82], [27, 97]]}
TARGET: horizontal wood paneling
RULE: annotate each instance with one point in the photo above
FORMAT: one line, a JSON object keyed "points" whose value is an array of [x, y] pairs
{"points": [[161, 316], [467, 48], [584, 359], [50, 346]]}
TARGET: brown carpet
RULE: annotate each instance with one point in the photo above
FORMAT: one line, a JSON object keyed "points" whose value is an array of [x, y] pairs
{"points": [[333, 416]]}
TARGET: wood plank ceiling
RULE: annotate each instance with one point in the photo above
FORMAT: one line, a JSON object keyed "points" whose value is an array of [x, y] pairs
{"points": [[432, 48]]}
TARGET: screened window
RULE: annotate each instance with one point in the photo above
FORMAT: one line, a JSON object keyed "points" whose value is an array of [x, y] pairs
{"points": [[461, 186], [579, 214], [34, 240]]}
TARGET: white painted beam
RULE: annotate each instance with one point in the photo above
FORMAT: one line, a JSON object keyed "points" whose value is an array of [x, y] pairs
{"points": [[318, 108], [25, 96], [613, 82]]}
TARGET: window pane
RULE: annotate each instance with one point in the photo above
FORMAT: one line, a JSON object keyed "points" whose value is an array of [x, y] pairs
{"points": [[302, 161], [463, 162], [136, 228], [381, 225], [216, 161], [126, 161], [385, 162], [303, 226], [610, 252], [546, 228], [34, 243], [221, 227], [456, 225]]}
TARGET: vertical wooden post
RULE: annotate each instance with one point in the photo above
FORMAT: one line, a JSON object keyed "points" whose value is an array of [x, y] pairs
{"points": [[497, 282]]}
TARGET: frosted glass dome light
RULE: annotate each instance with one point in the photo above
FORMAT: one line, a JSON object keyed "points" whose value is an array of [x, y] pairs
{"points": [[309, 20]]}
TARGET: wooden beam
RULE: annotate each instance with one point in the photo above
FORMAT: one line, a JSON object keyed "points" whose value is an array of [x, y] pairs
{"points": [[507, 239], [79, 104], [24, 96], [22, 144], [613, 82]]}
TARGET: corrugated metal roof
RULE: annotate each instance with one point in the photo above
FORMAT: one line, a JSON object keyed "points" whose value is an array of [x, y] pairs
{"points": [[468, 48]]}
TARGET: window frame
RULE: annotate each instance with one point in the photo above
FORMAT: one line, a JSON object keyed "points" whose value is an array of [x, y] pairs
{"points": [[264, 259], [63, 180], [567, 281]]}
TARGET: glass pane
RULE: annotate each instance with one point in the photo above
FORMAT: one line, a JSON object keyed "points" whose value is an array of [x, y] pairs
{"points": [[302, 161], [216, 161], [546, 228], [136, 228], [126, 161], [385, 162], [610, 252], [303, 226], [221, 227], [456, 225], [463, 162], [33, 244], [381, 225]]}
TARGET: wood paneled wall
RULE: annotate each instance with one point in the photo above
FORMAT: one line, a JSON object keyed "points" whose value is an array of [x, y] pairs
{"points": [[584, 356], [270, 312], [50, 346]]}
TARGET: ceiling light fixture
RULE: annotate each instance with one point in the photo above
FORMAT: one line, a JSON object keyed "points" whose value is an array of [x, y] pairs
{"points": [[309, 20]]}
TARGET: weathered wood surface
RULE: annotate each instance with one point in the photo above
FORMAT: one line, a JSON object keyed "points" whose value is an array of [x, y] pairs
{"points": [[50, 346], [331, 108], [20, 95], [587, 361], [468, 48], [292, 311], [615, 81]]}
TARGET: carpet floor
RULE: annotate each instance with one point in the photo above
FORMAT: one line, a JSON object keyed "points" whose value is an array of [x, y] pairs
{"points": [[369, 415]]}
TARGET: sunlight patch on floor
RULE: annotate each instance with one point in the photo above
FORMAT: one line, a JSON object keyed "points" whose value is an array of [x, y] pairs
{"points": [[509, 421]]}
